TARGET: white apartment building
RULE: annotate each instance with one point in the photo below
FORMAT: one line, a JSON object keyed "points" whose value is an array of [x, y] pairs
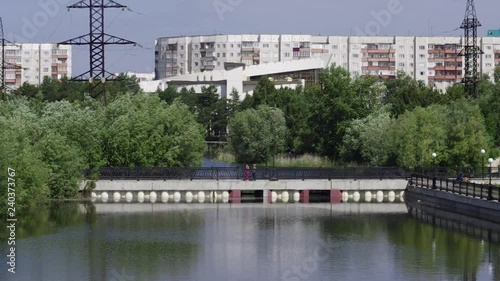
{"points": [[28, 62], [434, 60]]}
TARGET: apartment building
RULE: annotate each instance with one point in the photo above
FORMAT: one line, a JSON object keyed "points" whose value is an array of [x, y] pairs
{"points": [[27, 62], [434, 60]]}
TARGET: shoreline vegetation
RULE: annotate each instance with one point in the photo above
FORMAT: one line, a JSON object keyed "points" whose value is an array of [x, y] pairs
{"points": [[284, 161], [50, 133]]}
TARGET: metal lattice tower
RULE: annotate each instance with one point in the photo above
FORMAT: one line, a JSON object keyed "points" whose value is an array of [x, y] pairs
{"points": [[471, 51], [97, 39]]}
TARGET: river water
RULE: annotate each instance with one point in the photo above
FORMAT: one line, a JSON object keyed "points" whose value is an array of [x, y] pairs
{"points": [[126, 242]]}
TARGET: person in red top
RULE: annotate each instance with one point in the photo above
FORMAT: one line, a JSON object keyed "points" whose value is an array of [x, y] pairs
{"points": [[247, 172]]}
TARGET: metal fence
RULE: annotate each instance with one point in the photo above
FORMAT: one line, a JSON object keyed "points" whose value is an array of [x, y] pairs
{"points": [[480, 191], [269, 173], [234, 173]]}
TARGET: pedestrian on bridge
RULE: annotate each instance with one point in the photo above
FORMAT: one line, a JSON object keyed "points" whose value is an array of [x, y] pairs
{"points": [[247, 172]]}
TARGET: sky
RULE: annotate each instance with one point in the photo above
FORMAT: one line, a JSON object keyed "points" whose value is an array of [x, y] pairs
{"points": [[50, 21]]}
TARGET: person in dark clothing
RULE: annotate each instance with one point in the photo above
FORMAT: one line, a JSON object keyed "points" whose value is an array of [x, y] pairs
{"points": [[254, 172]]}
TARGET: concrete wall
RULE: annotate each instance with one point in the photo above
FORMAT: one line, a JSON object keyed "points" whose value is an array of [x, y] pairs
{"points": [[466, 205], [225, 185]]}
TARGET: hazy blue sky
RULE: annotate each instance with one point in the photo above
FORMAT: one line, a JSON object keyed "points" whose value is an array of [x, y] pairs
{"points": [[29, 21]]}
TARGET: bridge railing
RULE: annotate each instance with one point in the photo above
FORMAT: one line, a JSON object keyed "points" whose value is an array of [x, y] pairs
{"points": [[264, 173], [269, 173], [480, 191]]}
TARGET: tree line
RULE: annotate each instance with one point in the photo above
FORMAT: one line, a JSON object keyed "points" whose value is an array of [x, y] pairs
{"points": [[53, 131]]}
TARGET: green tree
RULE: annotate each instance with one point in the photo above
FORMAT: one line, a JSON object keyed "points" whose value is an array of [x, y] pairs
{"points": [[405, 94], [256, 135], [367, 140], [419, 133], [332, 107], [169, 94], [144, 132]]}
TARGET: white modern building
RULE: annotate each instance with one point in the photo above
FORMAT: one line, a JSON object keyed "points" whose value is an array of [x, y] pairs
{"points": [[28, 62], [434, 60], [141, 77]]}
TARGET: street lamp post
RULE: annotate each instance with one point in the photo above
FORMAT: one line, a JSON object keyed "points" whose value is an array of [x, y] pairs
{"points": [[482, 162], [491, 162], [434, 155]]}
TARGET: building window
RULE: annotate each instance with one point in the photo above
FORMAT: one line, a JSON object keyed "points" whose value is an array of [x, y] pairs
{"points": [[421, 73], [182, 56], [182, 47], [195, 64], [218, 55], [265, 45], [422, 56], [196, 46], [287, 55], [401, 56], [239, 45], [196, 55], [335, 47], [276, 46], [488, 65], [223, 55], [421, 47], [488, 56], [401, 64], [218, 45], [45, 69], [288, 46], [218, 63], [232, 54], [411, 64], [224, 46], [355, 55], [488, 47]]}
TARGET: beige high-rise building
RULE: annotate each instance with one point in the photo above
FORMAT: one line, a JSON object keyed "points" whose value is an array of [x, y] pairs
{"points": [[33, 62], [434, 60]]}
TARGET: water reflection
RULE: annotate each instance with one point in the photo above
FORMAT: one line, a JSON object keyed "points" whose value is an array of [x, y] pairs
{"points": [[244, 242]]}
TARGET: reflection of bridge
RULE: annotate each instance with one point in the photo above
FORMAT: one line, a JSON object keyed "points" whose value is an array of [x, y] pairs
{"points": [[344, 208]]}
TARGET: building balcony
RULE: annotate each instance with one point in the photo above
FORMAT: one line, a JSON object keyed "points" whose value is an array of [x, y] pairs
{"points": [[207, 67], [386, 76], [319, 51], [446, 68], [207, 58], [444, 51], [378, 68], [247, 57], [207, 50], [368, 59], [456, 59], [446, 77], [378, 51], [256, 57], [250, 49]]}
